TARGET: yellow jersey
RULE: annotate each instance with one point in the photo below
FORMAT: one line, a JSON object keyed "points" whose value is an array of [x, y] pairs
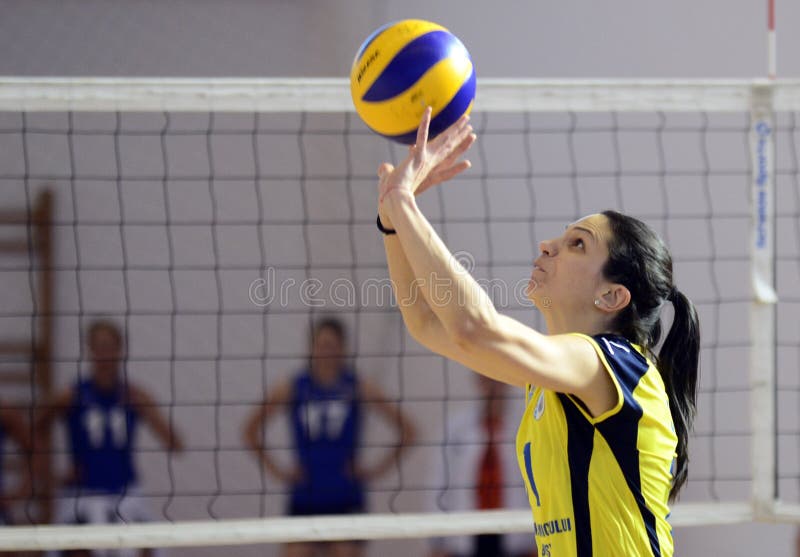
{"points": [[599, 486]]}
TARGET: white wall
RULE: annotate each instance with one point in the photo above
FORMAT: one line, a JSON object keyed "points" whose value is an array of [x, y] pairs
{"points": [[572, 38]]}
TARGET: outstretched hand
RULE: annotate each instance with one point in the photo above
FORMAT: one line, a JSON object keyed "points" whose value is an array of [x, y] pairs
{"points": [[429, 163]]}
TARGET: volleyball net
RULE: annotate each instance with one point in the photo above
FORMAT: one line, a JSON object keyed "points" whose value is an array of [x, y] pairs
{"points": [[214, 220]]}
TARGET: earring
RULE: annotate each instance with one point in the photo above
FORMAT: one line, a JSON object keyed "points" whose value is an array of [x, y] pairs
{"points": [[597, 302]]}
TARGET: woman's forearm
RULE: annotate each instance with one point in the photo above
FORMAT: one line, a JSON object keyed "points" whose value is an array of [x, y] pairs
{"points": [[412, 304], [456, 299]]}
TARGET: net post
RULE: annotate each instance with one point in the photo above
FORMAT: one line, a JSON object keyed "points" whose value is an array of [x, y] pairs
{"points": [[762, 305]]}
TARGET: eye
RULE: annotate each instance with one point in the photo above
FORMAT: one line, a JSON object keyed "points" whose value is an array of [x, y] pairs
{"points": [[578, 243]]}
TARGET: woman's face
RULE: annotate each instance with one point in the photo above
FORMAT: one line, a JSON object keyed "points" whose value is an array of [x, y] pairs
{"points": [[327, 350], [568, 273], [105, 352]]}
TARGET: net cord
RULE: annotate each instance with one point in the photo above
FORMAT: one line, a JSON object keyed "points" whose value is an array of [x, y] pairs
{"points": [[366, 527], [332, 95]]}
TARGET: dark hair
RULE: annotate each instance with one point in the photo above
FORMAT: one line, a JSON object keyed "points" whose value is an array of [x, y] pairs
{"points": [[107, 325], [333, 324], [639, 260]]}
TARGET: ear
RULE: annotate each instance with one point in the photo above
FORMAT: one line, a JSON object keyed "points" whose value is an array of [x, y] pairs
{"points": [[613, 298]]}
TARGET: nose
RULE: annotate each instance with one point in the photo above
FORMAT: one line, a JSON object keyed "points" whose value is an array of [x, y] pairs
{"points": [[547, 247]]}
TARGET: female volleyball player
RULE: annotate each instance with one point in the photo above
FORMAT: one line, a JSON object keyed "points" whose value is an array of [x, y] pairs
{"points": [[326, 404], [603, 440], [102, 413], [14, 427]]}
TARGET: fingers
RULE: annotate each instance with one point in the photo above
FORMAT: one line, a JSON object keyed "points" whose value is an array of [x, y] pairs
{"points": [[462, 147], [457, 129], [451, 150], [464, 130], [450, 172], [451, 155], [462, 123], [454, 145], [443, 175], [422, 131], [456, 169]]}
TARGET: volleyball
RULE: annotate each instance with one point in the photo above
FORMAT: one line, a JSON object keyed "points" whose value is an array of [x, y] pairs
{"points": [[404, 67]]}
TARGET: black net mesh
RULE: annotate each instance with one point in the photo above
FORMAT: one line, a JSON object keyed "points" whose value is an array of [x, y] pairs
{"points": [[214, 240]]}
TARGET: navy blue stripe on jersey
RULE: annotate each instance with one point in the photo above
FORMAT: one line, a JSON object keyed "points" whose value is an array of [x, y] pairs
{"points": [[410, 64], [621, 430], [529, 471], [580, 440]]}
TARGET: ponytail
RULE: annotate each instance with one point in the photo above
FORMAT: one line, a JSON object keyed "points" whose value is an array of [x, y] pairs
{"points": [[639, 260], [678, 362]]}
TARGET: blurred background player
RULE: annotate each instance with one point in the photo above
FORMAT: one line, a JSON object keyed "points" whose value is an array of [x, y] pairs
{"points": [[14, 428], [102, 413], [326, 404], [480, 472]]}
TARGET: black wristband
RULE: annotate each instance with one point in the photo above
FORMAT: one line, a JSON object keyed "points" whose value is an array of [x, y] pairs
{"points": [[386, 231]]}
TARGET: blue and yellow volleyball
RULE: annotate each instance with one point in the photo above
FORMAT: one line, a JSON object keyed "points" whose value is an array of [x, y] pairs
{"points": [[402, 68]]}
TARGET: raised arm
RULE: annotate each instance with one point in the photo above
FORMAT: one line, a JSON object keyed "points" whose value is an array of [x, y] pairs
{"points": [[477, 335], [421, 322]]}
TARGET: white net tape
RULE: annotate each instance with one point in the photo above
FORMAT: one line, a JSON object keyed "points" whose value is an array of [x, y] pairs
{"points": [[311, 529], [332, 95]]}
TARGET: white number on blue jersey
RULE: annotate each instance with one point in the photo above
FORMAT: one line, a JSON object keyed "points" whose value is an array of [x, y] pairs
{"points": [[119, 427], [311, 415], [96, 421], [324, 418], [337, 414]]}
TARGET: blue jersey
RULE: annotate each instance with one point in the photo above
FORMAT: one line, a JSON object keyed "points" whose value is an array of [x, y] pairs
{"points": [[326, 423], [101, 427]]}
